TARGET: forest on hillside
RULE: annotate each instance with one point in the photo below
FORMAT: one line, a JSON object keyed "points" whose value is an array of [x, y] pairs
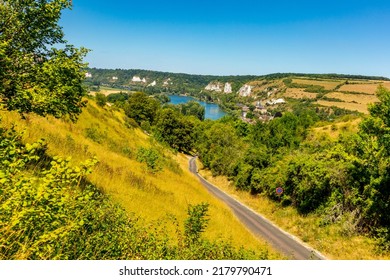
{"points": [[180, 83]]}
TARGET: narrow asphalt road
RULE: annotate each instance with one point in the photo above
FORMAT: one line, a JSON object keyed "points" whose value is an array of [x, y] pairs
{"points": [[289, 245]]}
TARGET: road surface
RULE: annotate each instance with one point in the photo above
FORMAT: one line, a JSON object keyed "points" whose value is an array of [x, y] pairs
{"points": [[289, 245]]}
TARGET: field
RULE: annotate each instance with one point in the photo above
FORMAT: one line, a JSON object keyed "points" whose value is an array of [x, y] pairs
{"points": [[345, 105], [369, 88], [327, 84], [298, 93], [354, 98], [108, 90], [354, 95], [159, 199]]}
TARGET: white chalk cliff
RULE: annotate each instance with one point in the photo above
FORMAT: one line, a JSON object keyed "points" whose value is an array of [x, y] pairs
{"points": [[245, 90], [227, 88], [214, 86]]}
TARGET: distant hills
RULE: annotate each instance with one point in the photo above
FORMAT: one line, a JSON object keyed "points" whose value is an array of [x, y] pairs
{"points": [[180, 83]]}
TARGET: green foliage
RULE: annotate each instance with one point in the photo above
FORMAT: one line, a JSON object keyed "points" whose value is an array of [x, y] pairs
{"points": [[174, 129], [35, 78], [192, 108], [141, 107], [49, 210], [151, 157], [196, 222], [94, 133], [219, 147], [117, 97], [101, 99], [373, 150], [287, 131]]}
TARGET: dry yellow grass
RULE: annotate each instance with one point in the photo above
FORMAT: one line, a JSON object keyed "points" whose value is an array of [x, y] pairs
{"points": [[352, 98], [345, 105], [329, 240], [334, 130], [154, 198], [261, 86], [369, 88], [107, 91], [327, 84], [299, 93]]}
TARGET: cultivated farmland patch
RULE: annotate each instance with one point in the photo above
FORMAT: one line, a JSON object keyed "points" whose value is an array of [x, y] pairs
{"points": [[365, 88], [299, 93], [353, 98], [328, 85], [345, 105]]}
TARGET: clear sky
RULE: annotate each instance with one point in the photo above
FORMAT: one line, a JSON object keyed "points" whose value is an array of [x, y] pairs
{"points": [[234, 37]]}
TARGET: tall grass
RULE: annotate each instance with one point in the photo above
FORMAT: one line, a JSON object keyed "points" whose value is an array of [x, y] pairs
{"points": [[160, 199]]}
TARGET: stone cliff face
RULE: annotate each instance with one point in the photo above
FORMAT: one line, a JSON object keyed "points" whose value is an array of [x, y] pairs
{"points": [[137, 79], [245, 90], [214, 87], [152, 84], [167, 82], [217, 86], [227, 88]]}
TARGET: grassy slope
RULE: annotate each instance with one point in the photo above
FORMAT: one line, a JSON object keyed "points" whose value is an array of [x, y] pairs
{"points": [[155, 198], [354, 96], [332, 240]]}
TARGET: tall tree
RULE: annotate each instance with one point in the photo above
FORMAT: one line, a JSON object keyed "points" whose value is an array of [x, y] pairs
{"points": [[175, 129], [373, 152], [141, 108], [35, 76]]}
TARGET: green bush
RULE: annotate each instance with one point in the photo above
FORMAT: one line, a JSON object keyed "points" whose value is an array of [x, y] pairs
{"points": [[151, 157], [101, 99], [51, 211]]}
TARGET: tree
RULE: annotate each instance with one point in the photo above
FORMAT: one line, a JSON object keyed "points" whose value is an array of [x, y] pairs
{"points": [[35, 76], [193, 108], [141, 108], [219, 148], [101, 99], [175, 129], [373, 151]]}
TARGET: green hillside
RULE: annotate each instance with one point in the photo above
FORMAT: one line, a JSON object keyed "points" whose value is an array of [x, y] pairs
{"points": [[155, 203]]}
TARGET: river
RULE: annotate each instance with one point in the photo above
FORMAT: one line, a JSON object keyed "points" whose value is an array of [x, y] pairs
{"points": [[212, 111]]}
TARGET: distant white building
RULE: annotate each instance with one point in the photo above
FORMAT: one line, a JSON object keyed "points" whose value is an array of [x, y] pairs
{"points": [[144, 80], [88, 75], [245, 90], [115, 78]]}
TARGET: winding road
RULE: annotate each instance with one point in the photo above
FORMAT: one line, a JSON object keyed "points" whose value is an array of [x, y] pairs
{"points": [[286, 243]]}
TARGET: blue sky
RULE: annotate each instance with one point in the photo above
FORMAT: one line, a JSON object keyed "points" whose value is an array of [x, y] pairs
{"points": [[234, 37]]}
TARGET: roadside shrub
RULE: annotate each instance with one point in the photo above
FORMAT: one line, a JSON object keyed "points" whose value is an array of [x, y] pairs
{"points": [[52, 212], [151, 157]]}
